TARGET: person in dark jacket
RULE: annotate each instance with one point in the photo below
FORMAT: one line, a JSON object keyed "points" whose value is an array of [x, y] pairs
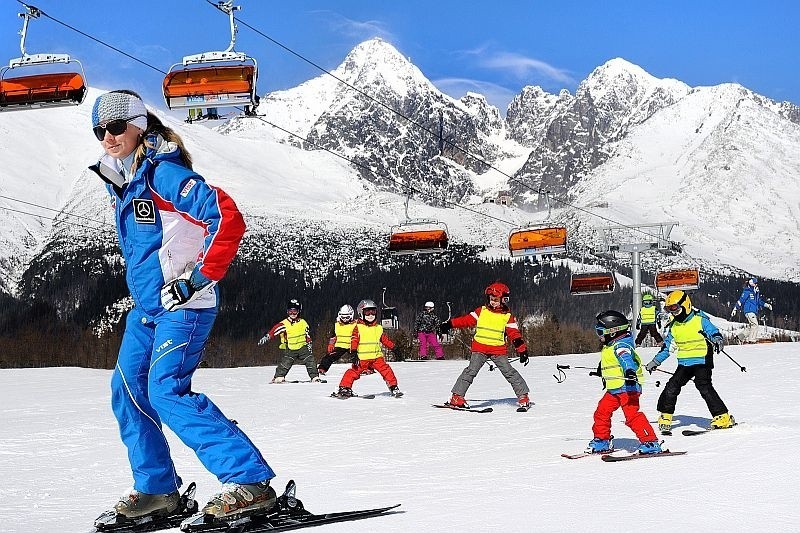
{"points": [[426, 328], [648, 320]]}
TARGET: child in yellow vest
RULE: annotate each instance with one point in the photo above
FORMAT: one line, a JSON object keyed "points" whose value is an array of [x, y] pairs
{"points": [[295, 342], [339, 343]]}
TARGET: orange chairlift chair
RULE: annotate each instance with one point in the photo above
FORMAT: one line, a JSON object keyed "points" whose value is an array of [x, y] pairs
{"points": [[537, 239], [591, 281], [40, 80], [673, 279], [418, 236], [214, 79]]}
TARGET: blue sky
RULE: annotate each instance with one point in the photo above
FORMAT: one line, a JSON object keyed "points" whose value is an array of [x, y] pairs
{"points": [[494, 48]]}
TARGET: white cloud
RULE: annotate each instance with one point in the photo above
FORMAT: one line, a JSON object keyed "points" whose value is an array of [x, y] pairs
{"points": [[524, 67], [358, 29]]}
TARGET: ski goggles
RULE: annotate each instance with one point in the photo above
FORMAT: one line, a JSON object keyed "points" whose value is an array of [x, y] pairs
{"points": [[114, 127], [648, 303], [371, 312], [602, 332]]}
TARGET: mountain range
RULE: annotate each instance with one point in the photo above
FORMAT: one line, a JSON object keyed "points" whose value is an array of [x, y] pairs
{"points": [[325, 186]]}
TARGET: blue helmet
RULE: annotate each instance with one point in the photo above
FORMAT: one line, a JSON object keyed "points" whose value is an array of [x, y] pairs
{"points": [[753, 282]]}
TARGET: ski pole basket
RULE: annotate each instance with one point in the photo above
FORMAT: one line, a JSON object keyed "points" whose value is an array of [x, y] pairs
{"points": [[537, 240], [418, 237], [40, 80], [213, 79], [684, 279]]}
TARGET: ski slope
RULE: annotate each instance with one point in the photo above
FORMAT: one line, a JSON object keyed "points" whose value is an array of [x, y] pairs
{"points": [[63, 462]]}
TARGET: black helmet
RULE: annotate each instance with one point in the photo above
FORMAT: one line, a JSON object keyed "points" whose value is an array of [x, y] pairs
{"points": [[611, 324], [294, 303]]}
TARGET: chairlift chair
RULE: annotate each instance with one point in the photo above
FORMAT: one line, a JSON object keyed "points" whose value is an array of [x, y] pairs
{"points": [[539, 239], [389, 315], [583, 283], [213, 79], [40, 80], [673, 279], [419, 236]]}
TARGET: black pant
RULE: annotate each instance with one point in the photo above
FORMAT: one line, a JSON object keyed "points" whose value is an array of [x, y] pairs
{"points": [[653, 330], [702, 380], [330, 358]]}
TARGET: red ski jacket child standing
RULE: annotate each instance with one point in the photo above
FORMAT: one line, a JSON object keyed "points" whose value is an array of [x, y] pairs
{"points": [[366, 341], [494, 326]]}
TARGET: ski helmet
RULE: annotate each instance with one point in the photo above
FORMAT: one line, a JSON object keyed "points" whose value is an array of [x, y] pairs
{"points": [[294, 304], [499, 290], [366, 304], [678, 303], [753, 282], [428, 305], [611, 324], [647, 299], [346, 313]]}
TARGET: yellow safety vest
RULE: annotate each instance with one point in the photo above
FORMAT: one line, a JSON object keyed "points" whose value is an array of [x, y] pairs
{"points": [[344, 334], [688, 339], [612, 370], [369, 342], [491, 327], [648, 314], [295, 335]]}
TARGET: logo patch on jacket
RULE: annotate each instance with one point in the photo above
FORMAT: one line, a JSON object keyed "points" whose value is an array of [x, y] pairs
{"points": [[144, 211], [188, 187]]}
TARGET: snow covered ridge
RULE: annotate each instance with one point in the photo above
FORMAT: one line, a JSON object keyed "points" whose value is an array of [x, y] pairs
{"points": [[723, 161]]}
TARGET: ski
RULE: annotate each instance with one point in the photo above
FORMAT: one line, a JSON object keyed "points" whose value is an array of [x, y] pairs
{"points": [[521, 409], [629, 457], [306, 381], [467, 409], [111, 521], [365, 396], [289, 513], [692, 432], [584, 454]]}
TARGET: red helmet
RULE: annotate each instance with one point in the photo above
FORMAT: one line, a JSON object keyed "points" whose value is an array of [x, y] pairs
{"points": [[499, 290]]}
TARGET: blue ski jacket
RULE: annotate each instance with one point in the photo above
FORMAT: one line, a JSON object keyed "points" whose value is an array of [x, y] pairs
{"points": [[170, 221], [750, 301]]}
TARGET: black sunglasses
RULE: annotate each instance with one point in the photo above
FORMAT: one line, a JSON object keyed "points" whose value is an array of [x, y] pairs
{"points": [[114, 127]]}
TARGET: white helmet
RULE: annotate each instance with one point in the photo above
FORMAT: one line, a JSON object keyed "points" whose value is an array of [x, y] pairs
{"points": [[366, 304], [346, 313], [429, 304]]}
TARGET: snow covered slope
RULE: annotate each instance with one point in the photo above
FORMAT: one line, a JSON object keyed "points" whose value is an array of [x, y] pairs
{"points": [[63, 462]]}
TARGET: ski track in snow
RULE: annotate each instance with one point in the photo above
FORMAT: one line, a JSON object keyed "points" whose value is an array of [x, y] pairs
{"points": [[64, 464]]}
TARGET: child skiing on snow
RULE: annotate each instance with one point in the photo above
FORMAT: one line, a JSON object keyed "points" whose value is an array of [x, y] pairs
{"points": [[339, 343], [695, 339], [178, 236], [750, 303], [366, 343], [295, 343], [648, 320], [425, 328], [493, 324], [621, 370]]}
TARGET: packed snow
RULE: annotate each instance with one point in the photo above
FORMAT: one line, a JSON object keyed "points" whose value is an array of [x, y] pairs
{"points": [[63, 462]]}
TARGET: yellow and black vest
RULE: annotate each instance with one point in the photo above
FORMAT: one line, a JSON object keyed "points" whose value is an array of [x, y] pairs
{"points": [[648, 314], [491, 327], [688, 339], [612, 370], [344, 334], [369, 342], [294, 337]]}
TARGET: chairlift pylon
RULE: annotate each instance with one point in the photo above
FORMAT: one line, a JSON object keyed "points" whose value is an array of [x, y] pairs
{"points": [[35, 81], [673, 279], [213, 79]]}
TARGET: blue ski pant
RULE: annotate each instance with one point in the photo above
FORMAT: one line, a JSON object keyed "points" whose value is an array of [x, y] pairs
{"points": [[151, 385]]}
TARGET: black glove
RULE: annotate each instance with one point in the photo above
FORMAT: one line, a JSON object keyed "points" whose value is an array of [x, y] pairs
{"points": [[597, 372], [630, 377], [523, 358], [445, 327], [718, 343], [353, 356], [180, 291]]}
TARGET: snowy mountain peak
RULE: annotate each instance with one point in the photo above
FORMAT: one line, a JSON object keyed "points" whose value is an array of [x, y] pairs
{"points": [[620, 79], [376, 62]]}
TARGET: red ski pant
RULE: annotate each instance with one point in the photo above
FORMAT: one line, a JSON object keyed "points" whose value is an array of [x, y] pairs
{"points": [[380, 365], [634, 419]]}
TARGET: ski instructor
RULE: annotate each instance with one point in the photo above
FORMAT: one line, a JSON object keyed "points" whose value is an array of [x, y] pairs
{"points": [[178, 236]]}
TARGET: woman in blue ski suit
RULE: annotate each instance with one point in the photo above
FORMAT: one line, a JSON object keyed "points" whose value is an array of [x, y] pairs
{"points": [[750, 303], [178, 236]]}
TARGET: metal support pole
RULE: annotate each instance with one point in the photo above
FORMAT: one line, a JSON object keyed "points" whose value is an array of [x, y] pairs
{"points": [[636, 266]]}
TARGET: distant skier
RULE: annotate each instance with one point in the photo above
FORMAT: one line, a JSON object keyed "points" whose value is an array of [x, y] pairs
{"points": [[648, 320], [696, 340], [426, 327], [494, 324], [751, 302], [295, 343], [621, 370], [339, 343], [178, 236], [368, 336]]}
